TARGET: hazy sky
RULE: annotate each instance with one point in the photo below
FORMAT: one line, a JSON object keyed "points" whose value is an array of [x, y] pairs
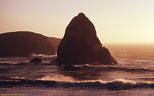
{"points": [[116, 21]]}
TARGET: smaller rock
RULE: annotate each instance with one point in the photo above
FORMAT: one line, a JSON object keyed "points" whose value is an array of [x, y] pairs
{"points": [[70, 68], [36, 60]]}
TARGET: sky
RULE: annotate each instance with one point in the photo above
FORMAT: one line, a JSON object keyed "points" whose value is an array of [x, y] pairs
{"points": [[116, 21]]}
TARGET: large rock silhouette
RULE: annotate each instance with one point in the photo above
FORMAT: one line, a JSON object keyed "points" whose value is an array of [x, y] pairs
{"points": [[80, 45]]}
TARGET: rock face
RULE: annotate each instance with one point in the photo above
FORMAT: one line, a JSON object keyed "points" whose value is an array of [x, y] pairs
{"points": [[80, 45], [24, 43]]}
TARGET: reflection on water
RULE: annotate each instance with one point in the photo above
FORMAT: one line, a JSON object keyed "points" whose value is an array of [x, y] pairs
{"points": [[80, 72], [57, 78]]}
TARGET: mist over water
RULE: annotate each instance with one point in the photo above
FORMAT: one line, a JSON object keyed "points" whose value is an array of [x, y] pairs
{"points": [[133, 76]]}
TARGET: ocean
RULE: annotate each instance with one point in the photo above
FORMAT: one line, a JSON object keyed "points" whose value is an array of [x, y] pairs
{"points": [[132, 76]]}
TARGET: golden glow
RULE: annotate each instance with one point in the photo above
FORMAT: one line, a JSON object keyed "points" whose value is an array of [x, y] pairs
{"points": [[116, 21]]}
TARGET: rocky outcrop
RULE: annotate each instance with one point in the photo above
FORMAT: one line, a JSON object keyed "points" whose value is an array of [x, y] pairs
{"points": [[24, 43], [80, 45], [36, 60]]}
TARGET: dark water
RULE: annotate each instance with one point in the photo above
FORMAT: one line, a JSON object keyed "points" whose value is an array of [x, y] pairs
{"points": [[133, 76]]}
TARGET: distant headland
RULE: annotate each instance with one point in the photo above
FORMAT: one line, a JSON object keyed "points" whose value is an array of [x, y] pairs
{"points": [[25, 43]]}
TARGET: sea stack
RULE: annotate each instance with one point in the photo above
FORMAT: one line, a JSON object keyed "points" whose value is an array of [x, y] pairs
{"points": [[80, 44]]}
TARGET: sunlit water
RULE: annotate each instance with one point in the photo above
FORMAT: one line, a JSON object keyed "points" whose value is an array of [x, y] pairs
{"points": [[133, 76]]}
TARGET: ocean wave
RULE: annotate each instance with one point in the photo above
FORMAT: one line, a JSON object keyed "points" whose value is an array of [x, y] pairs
{"points": [[106, 68], [102, 68], [127, 69], [119, 84]]}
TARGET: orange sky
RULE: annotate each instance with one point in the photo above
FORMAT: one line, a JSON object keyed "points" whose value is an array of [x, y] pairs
{"points": [[116, 21]]}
